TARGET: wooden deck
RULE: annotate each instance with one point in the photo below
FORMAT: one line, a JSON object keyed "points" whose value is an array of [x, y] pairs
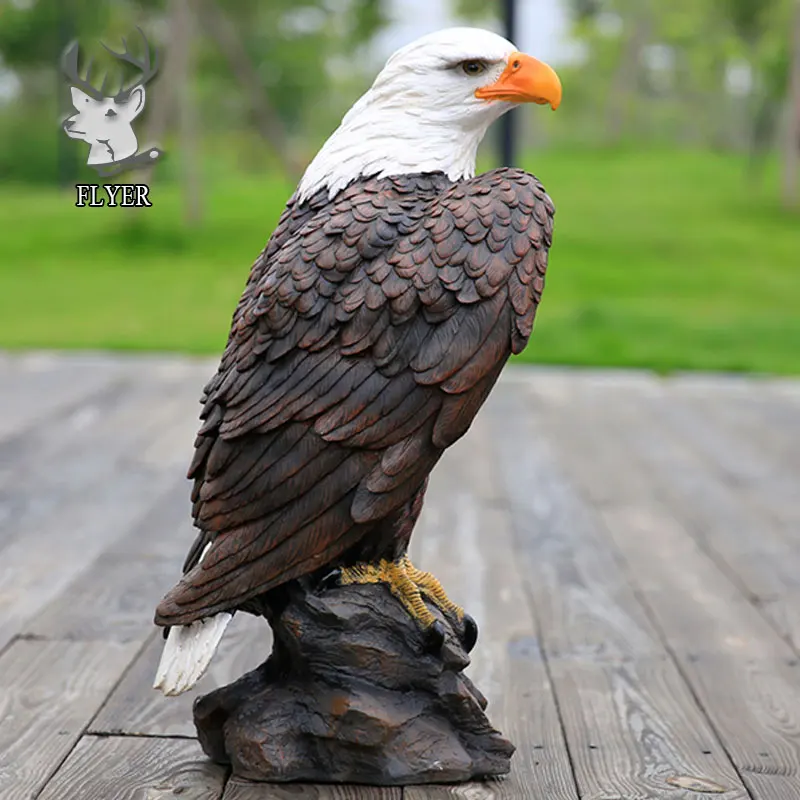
{"points": [[630, 547]]}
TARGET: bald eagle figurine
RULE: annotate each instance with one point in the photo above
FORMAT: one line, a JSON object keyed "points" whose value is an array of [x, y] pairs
{"points": [[371, 330]]}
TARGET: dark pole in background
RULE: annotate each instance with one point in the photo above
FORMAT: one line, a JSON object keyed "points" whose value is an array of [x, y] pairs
{"points": [[508, 132]]}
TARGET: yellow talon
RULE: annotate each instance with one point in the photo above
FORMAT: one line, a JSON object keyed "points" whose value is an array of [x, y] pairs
{"points": [[407, 583], [429, 584]]}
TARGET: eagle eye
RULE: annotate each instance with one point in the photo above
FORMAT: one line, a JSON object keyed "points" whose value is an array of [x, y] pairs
{"points": [[472, 67]]}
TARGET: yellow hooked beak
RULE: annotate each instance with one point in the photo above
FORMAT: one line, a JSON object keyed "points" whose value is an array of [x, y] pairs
{"points": [[524, 80]]}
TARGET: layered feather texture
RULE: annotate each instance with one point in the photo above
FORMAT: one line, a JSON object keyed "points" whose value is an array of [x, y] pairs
{"points": [[371, 330]]}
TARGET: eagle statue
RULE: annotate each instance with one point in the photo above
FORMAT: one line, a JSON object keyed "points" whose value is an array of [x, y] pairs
{"points": [[371, 330]]}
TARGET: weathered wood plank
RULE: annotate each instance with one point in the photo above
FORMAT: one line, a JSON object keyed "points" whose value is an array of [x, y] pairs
{"points": [[130, 768], [581, 596], [465, 539], [105, 424], [681, 537], [136, 708], [115, 596], [774, 787], [751, 548], [243, 790], [597, 435], [633, 729], [30, 485], [118, 425], [113, 600], [742, 448], [765, 413], [632, 725], [699, 609], [755, 705], [720, 640], [740, 432], [70, 516], [41, 385], [36, 569], [48, 693]]}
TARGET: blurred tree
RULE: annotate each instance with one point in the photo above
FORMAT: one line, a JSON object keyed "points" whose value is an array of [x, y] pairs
{"points": [[267, 67], [636, 23], [586, 9], [791, 163], [31, 33], [747, 17], [221, 28], [285, 48], [718, 71], [186, 28]]}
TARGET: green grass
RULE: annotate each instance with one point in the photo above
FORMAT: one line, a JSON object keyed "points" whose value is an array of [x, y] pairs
{"points": [[662, 260]]}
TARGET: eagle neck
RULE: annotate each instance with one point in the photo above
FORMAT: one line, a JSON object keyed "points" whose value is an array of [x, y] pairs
{"points": [[387, 144]]}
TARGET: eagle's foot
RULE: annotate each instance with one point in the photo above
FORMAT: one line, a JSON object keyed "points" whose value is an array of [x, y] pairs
{"points": [[429, 585], [408, 584], [395, 575]]}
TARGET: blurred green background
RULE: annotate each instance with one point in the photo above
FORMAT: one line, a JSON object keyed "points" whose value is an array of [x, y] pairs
{"points": [[673, 163]]}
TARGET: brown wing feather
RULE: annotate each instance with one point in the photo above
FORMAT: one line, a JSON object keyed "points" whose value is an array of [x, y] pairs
{"points": [[371, 330]]}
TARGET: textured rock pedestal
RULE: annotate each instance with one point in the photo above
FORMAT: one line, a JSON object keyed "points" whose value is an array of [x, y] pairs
{"points": [[350, 695]]}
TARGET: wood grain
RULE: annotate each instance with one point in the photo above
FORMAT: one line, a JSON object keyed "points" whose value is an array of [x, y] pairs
{"points": [[130, 768], [698, 607], [738, 668], [48, 693], [733, 486], [758, 558], [764, 415], [70, 514], [755, 706], [114, 597], [465, 539], [629, 551], [630, 720], [648, 522], [120, 422], [38, 386], [633, 727], [244, 790], [581, 595], [774, 787]]}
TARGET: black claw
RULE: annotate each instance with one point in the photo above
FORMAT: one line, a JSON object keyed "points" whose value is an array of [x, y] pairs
{"points": [[434, 637], [470, 635], [331, 580]]}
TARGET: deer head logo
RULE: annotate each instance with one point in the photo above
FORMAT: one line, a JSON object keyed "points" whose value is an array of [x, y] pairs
{"points": [[105, 122]]}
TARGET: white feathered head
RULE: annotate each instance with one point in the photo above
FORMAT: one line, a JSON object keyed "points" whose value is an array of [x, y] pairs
{"points": [[429, 109]]}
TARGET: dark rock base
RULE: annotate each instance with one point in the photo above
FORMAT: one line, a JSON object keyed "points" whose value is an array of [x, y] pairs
{"points": [[349, 695]]}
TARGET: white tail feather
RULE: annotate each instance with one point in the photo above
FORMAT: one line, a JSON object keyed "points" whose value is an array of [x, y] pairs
{"points": [[189, 649], [188, 652]]}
